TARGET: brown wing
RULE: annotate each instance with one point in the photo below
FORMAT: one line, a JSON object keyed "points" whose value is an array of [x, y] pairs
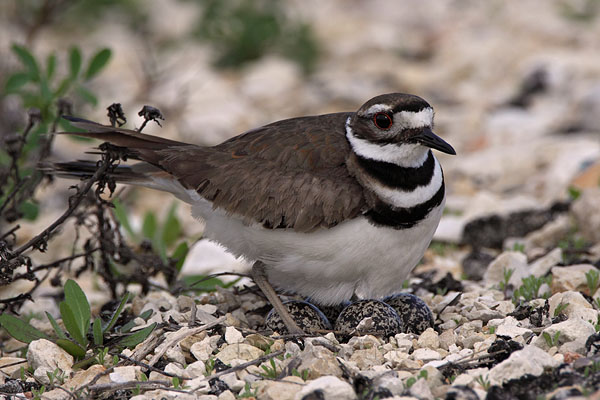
{"points": [[288, 174]]}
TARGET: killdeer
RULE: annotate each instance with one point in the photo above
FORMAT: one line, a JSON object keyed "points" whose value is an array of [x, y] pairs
{"points": [[327, 206]]}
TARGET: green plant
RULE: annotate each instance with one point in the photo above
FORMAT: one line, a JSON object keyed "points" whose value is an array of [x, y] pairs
{"points": [[592, 278], [507, 274], [560, 308], [303, 374], [530, 288], [210, 366], [243, 31], [76, 316], [177, 384], [247, 393], [551, 341], [412, 380], [56, 375], [270, 370], [520, 247], [37, 393], [43, 93], [484, 382], [492, 330], [592, 369]]}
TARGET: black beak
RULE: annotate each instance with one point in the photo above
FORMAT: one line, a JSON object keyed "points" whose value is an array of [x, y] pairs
{"points": [[427, 138]]}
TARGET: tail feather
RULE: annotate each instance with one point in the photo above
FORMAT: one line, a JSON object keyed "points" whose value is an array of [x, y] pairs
{"points": [[118, 136]]}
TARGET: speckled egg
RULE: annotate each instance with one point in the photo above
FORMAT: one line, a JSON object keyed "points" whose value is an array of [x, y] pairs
{"points": [[415, 314], [332, 312], [308, 317], [383, 319]]}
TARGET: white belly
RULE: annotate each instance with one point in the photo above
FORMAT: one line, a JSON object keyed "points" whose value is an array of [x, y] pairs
{"points": [[328, 265]]}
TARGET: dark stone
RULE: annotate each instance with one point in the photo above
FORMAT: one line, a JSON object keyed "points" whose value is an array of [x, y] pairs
{"points": [[490, 231], [475, 264], [461, 392], [217, 386], [592, 344]]}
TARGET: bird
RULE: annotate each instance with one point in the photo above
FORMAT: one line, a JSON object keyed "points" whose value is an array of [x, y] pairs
{"points": [[329, 207]]}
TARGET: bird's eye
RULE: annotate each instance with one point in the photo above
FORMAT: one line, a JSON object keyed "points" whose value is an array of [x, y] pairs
{"points": [[382, 121]]}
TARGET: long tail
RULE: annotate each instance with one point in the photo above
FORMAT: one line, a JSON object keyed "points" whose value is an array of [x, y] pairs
{"points": [[135, 145]]}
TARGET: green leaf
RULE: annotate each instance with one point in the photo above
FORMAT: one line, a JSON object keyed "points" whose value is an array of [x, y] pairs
{"points": [[74, 61], [97, 331], [20, 330], [71, 347], [137, 337], [131, 324], [16, 81], [28, 61], [59, 331], [63, 87], [121, 215], [78, 302], [117, 313], [71, 323], [150, 225], [172, 228], [87, 96], [97, 63], [180, 254], [50, 66], [29, 209]]}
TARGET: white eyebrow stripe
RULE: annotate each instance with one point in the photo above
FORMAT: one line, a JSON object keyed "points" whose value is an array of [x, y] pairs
{"points": [[376, 108], [413, 120]]}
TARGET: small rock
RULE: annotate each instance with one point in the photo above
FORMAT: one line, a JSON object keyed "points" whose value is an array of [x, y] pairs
{"points": [[285, 389], [573, 332], [508, 260], [203, 349], [125, 374], [429, 339], [233, 336], [420, 389], [44, 356], [586, 210], [542, 265], [550, 234], [319, 361], [447, 338], [195, 369], [510, 327], [239, 353], [531, 360], [426, 355], [571, 278], [570, 303], [367, 358], [233, 382], [327, 388], [226, 395]]}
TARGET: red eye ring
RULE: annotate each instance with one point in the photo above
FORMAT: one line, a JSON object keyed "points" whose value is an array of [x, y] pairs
{"points": [[382, 121]]}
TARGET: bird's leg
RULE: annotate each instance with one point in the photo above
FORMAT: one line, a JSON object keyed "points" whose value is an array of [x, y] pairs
{"points": [[259, 275]]}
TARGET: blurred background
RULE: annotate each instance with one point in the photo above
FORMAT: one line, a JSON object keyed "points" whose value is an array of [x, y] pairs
{"points": [[515, 85]]}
